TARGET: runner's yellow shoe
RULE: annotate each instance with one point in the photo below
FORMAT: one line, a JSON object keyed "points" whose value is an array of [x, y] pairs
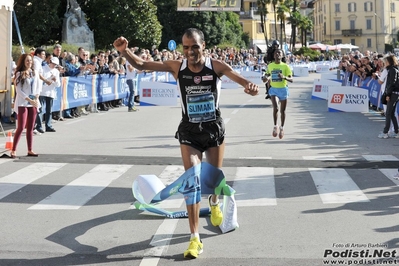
{"points": [[216, 213], [194, 249]]}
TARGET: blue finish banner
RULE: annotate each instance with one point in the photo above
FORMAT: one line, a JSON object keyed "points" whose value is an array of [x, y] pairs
{"points": [[202, 178]]}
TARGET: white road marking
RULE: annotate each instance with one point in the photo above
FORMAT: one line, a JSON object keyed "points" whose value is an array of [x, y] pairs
{"points": [[81, 190], [160, 241], [168, 175], [25, 176], [254, 158], [320, 158], [380, 158], [336, 186], [5, 161], [390, 173], [255, 186]]}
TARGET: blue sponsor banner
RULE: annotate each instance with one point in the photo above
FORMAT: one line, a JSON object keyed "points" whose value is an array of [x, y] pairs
{"points": [[365, 83], [57, 100], [375, 93], [345, 79], [355, 80], [79, 91], [105, 88], [122, 89]]}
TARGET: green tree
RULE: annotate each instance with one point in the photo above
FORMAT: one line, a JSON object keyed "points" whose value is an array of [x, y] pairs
{"points": [[294, 20], [305, 25], [143, 22], [274, 4], [234, 33], [262, 9], [39, 22], [136, 20], [218, 27], [282, 10]]}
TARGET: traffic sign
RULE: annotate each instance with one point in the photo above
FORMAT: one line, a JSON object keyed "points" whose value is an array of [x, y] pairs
{"points": [[172, 45]]}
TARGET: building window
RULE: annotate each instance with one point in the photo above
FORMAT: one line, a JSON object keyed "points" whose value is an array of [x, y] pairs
{"points": [[352, 24], [393, 24], [253, 6], [337, 25], [337, 41], [353, 42], [392, 7], [368, 42], [368, 6], [368, 24], [352, 7], [337, 8]]}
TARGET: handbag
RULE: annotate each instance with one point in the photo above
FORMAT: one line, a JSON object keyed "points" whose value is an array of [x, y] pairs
{"points": [[384, 98]]}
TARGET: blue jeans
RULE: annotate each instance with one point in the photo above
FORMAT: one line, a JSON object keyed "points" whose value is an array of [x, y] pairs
{"points": [[48, 103], [130, 84]]}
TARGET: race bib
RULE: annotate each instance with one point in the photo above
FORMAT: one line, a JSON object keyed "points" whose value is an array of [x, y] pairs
{"points": [[201, 108], [275, 76]]}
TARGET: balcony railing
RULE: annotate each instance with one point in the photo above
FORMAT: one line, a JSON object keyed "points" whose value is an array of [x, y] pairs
{"points": [[356, 32]]}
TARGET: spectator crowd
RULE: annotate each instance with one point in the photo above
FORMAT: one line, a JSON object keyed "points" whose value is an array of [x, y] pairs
{"points": [[84, 62]]}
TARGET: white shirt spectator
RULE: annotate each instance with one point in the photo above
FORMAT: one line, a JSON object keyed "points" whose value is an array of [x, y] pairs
{"points": [[50, 73], [130, 74], [37, 66]]}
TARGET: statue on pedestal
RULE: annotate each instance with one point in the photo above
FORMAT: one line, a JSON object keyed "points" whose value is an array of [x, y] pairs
{"points": [[75, 29]]}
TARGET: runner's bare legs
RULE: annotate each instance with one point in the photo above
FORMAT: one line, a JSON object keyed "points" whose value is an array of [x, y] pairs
{"points": [[283, 106], [192, 157], [273, 98]]}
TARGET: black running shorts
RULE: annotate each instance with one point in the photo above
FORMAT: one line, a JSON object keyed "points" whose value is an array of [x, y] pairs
{"points": [[201, 136]]}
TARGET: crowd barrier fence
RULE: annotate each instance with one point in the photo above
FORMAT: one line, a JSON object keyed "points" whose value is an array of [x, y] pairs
{"points": [[370, 84]]}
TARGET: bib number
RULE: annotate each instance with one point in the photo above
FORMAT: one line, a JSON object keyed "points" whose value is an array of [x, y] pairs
{"points": [[201, 108], [275, 77]]}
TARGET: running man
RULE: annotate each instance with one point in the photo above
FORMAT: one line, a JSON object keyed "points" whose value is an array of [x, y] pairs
{"points": [[278, 73], [198, 79]]}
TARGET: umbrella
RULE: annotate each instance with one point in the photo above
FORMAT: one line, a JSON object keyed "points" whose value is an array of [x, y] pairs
{"points": [[318, 46], [347, 46], [333, 47]]}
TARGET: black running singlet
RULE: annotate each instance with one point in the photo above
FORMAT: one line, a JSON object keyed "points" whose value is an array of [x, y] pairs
{"points": [[199, 93]]}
